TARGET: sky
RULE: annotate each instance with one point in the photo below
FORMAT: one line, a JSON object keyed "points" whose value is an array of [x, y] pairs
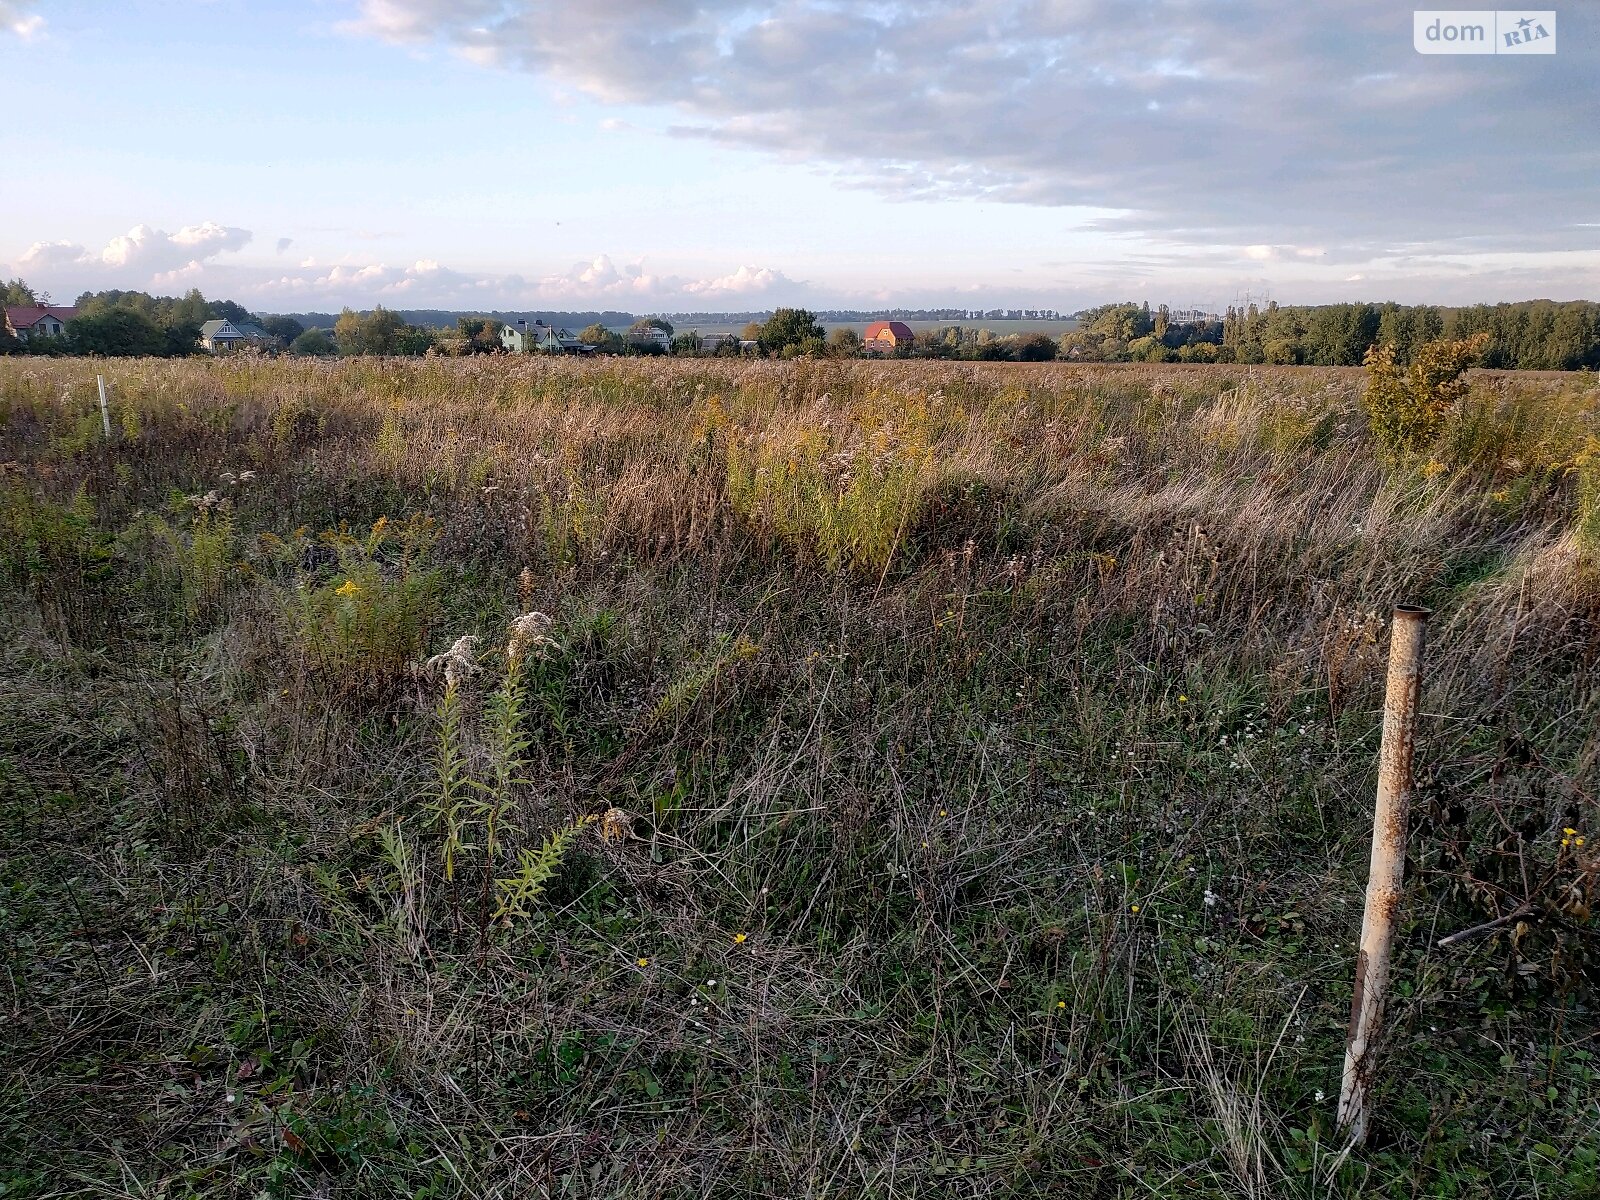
{"points": [[730, 155]]}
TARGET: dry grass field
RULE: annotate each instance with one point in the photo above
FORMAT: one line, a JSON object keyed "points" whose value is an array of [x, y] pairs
{"points": [[919, 780]]}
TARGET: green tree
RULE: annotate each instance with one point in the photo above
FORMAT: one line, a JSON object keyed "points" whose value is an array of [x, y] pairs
{"points": [[313, 343], [790, 327], [1280, 351], [375, 333], [227, 310], [844, 342], [1035, 347], [116, 333], [14, 291], [479, 335], [413, 340], [1124, 322], [181, 338], [191, 309], [602, 339], [285, 329]]}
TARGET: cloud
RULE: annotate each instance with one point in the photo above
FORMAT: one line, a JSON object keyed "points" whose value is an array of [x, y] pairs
{"points": [[426, 283], [601, 279], [1250, 123], [138, 258], [746, 281], [284, 243], [16, 19]]}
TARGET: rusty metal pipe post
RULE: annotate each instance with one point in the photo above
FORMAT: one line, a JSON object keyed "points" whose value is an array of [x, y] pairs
{"points": [[1387, 873]]}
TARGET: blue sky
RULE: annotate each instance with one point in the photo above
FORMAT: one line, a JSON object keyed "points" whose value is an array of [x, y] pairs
{"points": [[657, 155]]}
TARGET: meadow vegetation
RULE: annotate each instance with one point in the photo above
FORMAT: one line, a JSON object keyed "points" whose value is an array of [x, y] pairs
{"points": [[719, 778]]}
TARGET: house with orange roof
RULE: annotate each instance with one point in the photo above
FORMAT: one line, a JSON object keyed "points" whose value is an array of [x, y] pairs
{"points": [[885, 337]]}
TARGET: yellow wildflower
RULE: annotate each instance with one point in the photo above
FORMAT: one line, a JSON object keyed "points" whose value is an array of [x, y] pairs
{"points": [[644, 962], [348, 588], [1135, 908], [739, 938]]}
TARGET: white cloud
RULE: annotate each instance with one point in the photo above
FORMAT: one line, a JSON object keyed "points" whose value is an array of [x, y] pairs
{"points": [[600, 279], [746, 281], [1284, 253], [139, 258], [16, 19], [599, 282]]}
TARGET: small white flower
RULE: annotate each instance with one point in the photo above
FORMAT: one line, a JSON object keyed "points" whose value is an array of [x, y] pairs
{"points": [[1320, 1096], [458, 662], [529, 632]]}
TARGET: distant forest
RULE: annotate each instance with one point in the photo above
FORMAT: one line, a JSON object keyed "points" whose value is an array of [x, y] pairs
{"points": [[1540, 335]]}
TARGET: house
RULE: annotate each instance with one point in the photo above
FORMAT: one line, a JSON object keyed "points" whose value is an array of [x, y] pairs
{"points": [[24, 321], [652, 339], [219, 335], [710, 343], [523, 338], [885, 337]]}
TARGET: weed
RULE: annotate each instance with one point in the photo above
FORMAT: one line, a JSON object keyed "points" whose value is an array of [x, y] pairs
{"points": [[999, 737]]}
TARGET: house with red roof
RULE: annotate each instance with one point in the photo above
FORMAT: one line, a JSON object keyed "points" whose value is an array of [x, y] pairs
{"points": [[24, 321], [885, 337]]}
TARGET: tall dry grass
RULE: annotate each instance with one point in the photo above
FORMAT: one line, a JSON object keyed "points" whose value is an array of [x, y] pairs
{"points": [[994, 745]]}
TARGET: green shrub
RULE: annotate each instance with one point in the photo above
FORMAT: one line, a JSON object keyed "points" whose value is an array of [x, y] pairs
{"points": [[361, 628], [1407, 407], [59, 554]]}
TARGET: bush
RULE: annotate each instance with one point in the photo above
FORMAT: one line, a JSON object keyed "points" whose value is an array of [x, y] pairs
{"points": [[313, 343], [359, 628], [1406, 408]]}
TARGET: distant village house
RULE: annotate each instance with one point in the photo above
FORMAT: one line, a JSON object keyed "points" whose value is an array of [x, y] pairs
{"points": [[523, 338], [221, 336], [656, 339], [24, 321], [885, 337]]}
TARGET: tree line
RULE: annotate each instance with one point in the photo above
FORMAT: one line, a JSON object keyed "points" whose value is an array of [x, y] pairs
{"points": [[117, 323], [1540, 335], [1530, 335]]}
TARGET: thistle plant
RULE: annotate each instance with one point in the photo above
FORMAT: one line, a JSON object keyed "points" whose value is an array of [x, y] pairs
{"points": [[528, 633], [459, 801], [445, 803]]}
